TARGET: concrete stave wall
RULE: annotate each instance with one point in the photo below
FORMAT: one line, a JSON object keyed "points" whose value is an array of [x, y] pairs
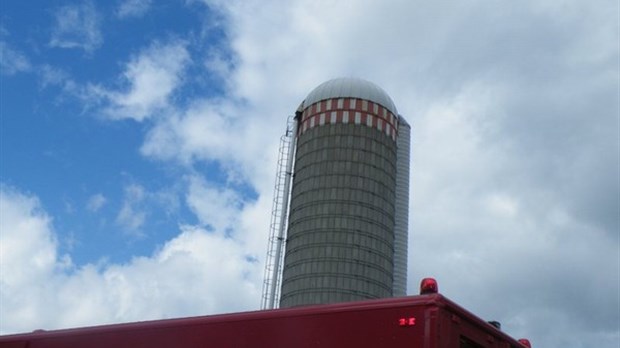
{"points": [[340, 244]]}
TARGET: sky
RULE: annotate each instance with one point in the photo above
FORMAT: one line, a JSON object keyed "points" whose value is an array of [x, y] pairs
{"points": [[139, 140]]}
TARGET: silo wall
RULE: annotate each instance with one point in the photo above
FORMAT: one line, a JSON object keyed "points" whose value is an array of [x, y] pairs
{"points": [[340, 243]]}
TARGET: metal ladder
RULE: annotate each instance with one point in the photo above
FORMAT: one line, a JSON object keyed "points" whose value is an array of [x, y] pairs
{"points": [[279, 218]]}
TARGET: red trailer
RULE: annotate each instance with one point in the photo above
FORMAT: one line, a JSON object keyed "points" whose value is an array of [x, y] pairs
{"points": [[428, 320]]}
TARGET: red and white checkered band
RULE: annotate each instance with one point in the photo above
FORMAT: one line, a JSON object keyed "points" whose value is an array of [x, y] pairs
{"points": [[349, 110]]}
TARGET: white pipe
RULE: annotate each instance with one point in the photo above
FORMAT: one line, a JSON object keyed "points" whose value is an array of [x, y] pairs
{"points": [[401, 213]]}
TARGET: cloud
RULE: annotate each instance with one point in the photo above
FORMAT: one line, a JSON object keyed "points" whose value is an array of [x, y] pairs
{"points": [[132, 214], [133, 8], [51, 76], [13, 61], [508, 250], [152, 77], [215, 131], [515, 157], [140, 204], [195, 273], [199, 133], [77, 26], [96, 202], [215, 206], [25, 229]]}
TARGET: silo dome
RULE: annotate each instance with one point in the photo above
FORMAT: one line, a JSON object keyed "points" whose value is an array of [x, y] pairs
{"points": [[350, 87]]}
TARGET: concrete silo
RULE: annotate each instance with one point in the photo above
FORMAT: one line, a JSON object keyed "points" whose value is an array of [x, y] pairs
{"points": [[346, 235]]}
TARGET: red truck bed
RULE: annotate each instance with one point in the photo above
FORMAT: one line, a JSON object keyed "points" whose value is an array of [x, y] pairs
{"points": [[425, 321]]}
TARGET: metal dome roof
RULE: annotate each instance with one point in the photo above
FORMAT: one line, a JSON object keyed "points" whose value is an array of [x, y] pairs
{"points": [[350, 87]]}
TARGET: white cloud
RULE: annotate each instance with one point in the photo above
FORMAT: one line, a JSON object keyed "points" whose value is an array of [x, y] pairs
{"points": [[219, 64], [132, 214], [27, 248], [197, 272], [51, 76], [12, 61], [152, 77], [503, 156], [199, 133], [214, 206], [96, 202], [239, 138], [139, 204], [502, 205], [77, 26], [133, 8]]}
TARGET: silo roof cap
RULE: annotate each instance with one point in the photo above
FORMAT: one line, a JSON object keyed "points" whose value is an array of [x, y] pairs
{"points": [[350, 87]]}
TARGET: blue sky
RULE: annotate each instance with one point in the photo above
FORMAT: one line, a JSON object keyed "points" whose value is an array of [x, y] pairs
{"points": [[60, 146], [138, 147]]}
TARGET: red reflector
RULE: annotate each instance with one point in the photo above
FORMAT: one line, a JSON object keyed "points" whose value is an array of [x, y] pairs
{"points": [[525, 342], [406, 321], [428, 286]]}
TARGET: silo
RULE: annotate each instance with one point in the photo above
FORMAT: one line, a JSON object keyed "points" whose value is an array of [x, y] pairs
{"points": [[340, 243]]}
